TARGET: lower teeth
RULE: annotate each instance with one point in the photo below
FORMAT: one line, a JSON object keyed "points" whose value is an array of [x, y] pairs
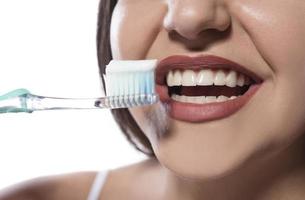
{"points": [[201, 99]]}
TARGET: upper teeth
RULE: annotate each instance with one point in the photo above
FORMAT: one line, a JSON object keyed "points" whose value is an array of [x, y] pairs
{"points": [[206, 77]]}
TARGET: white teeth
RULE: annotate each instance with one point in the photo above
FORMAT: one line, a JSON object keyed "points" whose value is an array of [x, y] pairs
{"points": [[220, 78], [201, 99], [240, 80], [170, 79], [205, 77], [184, 98], [191, 99], [188, 78], [231, 79], [222, 98], [210, 99], [177, 78], [175, 97]]}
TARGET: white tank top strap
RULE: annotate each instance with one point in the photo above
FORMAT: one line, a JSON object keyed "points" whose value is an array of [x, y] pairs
{"points": [[97, 185]]}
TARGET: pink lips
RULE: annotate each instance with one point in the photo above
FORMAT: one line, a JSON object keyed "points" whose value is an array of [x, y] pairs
{"points": [[202, 112]]}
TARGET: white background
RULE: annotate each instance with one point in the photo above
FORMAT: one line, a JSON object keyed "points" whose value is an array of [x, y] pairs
{"points": [[48, 47]]}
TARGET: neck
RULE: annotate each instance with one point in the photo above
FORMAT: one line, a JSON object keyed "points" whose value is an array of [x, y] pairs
{"points": [[279, 175]]}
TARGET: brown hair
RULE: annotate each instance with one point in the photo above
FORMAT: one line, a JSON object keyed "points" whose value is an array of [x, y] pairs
{"points": [[123, 117]]}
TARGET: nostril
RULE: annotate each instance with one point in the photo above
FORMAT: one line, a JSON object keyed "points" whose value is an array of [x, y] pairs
{"points": [[190, 19]]}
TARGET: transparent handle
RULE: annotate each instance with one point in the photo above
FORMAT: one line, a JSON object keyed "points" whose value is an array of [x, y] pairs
{"points": [[22, 101], [14, 101], [14, 105]]}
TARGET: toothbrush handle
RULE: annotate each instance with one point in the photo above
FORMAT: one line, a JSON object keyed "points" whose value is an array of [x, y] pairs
{"points": [[49, 103], [29, 103], [14, 105], [37, 103]]}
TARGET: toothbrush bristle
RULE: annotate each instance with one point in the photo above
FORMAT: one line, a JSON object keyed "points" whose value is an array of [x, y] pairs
{"points": [[131, 82], [130, 77]]}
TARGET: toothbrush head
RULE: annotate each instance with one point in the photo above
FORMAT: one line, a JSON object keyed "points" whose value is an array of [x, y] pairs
{"points": [[131, 82]]}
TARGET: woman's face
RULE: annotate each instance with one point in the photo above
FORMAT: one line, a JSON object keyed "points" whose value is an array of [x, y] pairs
{"points": [[266, 37]]}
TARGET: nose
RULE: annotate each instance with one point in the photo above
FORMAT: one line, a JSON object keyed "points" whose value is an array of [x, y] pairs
{"points": [[191, 17]]}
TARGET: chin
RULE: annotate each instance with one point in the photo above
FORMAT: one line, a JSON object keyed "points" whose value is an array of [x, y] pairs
{"points": [[196, 158], [200, 168]]}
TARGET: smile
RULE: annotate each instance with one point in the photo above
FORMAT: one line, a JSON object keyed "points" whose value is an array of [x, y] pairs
{"points": [[204, 88]]}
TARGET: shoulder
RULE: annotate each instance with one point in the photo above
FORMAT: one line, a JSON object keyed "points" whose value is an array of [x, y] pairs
{"points": [[137, 181], [65, 186]]}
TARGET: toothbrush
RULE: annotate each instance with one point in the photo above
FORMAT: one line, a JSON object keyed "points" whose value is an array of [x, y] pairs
{"points": [[129, 83]]}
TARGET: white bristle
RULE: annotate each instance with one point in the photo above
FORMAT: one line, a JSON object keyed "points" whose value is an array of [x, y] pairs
{"points": [[130, 77]]}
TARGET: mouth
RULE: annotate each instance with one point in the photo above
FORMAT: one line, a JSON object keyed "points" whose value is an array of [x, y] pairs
{"points": [[204, 88]]}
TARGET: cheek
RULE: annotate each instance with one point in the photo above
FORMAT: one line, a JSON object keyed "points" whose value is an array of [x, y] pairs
{"points": [[278, 33], [277, 27], [138, 114], [134, 28], [153, 120]]}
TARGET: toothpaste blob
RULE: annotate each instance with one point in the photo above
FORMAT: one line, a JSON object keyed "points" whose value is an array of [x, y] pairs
{"points": [[130, 77]]}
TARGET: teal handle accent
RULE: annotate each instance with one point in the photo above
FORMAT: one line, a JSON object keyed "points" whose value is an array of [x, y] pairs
{"points": [[19, 96], [14, 93], [14, 110]]}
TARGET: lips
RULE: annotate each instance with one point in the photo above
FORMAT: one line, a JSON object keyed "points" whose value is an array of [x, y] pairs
{"points": [[192, 112]]}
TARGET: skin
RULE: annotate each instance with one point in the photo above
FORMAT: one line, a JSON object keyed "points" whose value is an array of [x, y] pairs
{"points": [[263, 142], [254, 154]]}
